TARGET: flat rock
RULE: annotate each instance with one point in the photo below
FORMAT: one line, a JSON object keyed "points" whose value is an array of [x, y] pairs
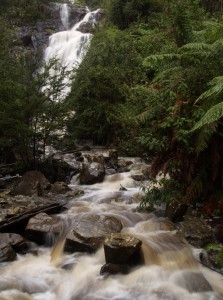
{"points": [[40, 226], [122, 249], [196, 231], [90, 231]]}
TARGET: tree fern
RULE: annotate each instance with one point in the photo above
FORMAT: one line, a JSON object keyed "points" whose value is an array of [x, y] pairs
{"points": [[153, 59], [216, 89], [212, 115], [196, 47], [204, 137]]}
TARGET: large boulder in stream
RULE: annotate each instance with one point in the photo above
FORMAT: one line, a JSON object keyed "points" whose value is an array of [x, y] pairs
{"points": [[92, 173], [122, 249], [196, 231], [90, 231], [32, 183], [42, 229]]}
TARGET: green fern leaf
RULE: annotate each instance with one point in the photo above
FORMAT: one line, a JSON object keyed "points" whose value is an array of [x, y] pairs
{"points": [[196, 47], [216, 89], [153, 59], [143, 117], [212, 115]]}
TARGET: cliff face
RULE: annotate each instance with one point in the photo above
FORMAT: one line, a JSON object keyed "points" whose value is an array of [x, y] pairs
{"points": [[36, 37]]}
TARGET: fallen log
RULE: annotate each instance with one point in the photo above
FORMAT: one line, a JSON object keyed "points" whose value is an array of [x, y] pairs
{"points": [[17, 223]]}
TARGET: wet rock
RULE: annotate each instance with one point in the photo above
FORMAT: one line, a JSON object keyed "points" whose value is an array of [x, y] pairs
{"points": [[6, 252], [94, 158], [60, 188], [90, 231], [59, 170], [92, 173], [110, 171], [16, 241], [122, 249], [218, 233], [196, 231], [42, 229], [192, 281], [32, 183], [175, 211], [140, 171], [212, 257], [122, 188], [113, 269], [74, 193]]}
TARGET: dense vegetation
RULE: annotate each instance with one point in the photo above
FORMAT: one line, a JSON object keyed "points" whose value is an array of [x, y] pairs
{"points": [[151, 84]]}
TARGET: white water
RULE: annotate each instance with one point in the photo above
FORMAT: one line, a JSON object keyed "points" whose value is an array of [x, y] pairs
{"points": [[170, 271], [69, 47]]}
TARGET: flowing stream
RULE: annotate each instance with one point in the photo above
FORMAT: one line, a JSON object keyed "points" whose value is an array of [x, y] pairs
{"points": [[170, 270]]}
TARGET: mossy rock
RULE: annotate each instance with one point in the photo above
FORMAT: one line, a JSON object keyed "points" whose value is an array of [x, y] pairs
{"points": [[212, 256]]}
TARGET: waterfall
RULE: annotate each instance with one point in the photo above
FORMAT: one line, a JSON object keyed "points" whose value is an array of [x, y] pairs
{"points": [[69, 46], [64, 15]]}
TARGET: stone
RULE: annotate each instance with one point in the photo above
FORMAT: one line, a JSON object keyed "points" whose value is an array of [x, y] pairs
{"points": [[113, 269], [122, 249], [176, 210], [211, 256], [6, 252], [30, 184], [16, 241], [218, 233], [42, 229], [59, 170], [92, 173], [196, 231], [60, 188], [90, 231]]}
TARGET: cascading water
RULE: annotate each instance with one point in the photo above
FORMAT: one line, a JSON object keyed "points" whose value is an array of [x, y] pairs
{"points": [[69, 47], [170, 271]]}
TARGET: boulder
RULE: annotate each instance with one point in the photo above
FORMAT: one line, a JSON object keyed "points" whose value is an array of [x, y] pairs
{"points": [[90, 231], [16, 241], [113, 269], [196, 231], [176, 210], [92, 173], [42, 229], [6, 252], [59, 170], [212, 257], [60, 188], [32, 183], [122, 249]]}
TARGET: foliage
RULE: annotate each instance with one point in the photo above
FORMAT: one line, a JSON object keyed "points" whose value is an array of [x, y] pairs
{"points": [[101, 85], [160, 191], [124, 12], [29, 114]]}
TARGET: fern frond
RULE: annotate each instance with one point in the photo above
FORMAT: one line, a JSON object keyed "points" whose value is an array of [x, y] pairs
{"points": [[216, 89], [204, 137], [153, 59], [143, 117], [196, 47], [212, 115]]}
